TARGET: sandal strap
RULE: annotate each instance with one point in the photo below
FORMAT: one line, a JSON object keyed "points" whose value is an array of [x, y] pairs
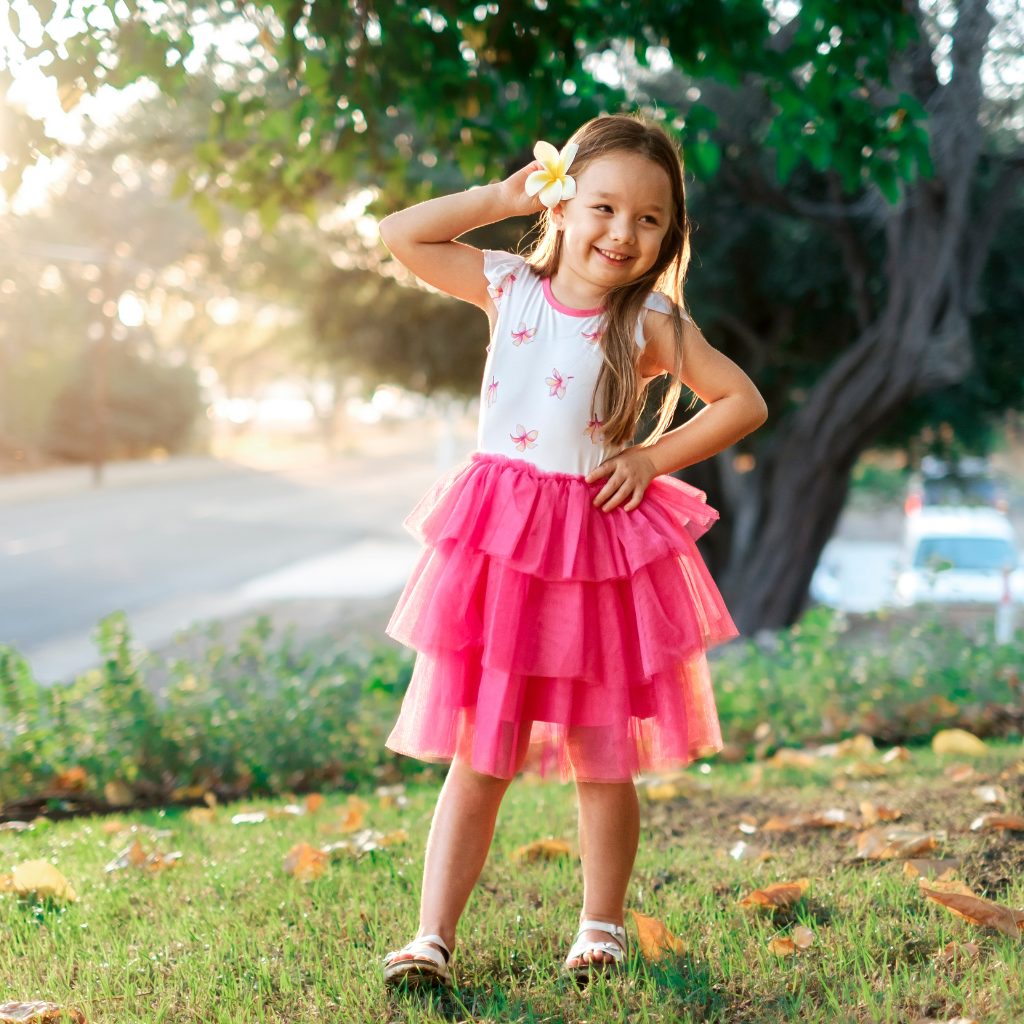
{"points": [[421, 949], [617, 950], [616, 930]]}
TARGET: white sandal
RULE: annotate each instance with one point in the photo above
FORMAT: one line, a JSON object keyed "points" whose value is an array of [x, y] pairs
{"points": [[426, 965], [618, 950]]}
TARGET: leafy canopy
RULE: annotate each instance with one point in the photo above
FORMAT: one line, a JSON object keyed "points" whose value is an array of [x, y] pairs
{"points": [[414, 99]]}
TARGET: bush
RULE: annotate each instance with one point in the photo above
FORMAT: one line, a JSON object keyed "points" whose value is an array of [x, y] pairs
{"points": [[818, 685], [263, 717], [259, 718]]}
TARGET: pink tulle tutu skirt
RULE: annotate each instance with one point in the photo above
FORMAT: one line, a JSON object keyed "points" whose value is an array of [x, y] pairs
{"points": [[535, 614]]}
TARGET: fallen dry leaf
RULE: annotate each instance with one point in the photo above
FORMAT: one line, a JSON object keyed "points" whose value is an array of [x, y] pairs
{"points": [[201, 815], [542, 849], [896, 754], [940, 869], [958, 772], [744, 851], [15, 826], [946, 885], [366, 842], [39, 1013], [747, 824], [789, 757], [249, 818], [118, 794], [43, 879], [305, 862], [864, 770], [885, 844], [655, 939], [833, 818], [130, 857], [979, 911], [954, 950], [958, 741], [803, 937], [313, 803], [392, 796], [6, 883], [782, 947], [990, 794], [778, 894], [111, 828], [997, 820], [73, 779], [951, 1020], [872, 813]]}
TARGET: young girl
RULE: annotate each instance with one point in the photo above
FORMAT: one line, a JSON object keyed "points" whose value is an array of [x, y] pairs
{"points": [[560, 606]]}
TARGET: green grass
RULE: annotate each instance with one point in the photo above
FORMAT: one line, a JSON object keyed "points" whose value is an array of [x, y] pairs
{"points": [[226, 936]]}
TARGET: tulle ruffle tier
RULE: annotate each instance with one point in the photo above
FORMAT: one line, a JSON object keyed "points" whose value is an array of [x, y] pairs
{"points": [[541, 619]]}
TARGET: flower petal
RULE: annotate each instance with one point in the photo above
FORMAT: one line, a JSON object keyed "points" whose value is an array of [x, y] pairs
{"points": [[536, 181], [547, 155], [568, 154], [568, 186], [551, 193]]}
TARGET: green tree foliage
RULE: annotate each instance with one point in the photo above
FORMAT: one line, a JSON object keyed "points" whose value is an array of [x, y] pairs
{"points": [[150, 406], [412, 98]]}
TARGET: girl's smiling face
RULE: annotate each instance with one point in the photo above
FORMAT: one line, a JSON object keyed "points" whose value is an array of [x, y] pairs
{"points": [[612, 231]]}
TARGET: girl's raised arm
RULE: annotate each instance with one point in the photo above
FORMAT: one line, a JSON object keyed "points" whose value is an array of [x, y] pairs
{"points": [[422, 237]]}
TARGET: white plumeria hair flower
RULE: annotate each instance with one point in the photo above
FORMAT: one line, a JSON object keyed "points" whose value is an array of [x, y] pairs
{"points": [[552, 183]]}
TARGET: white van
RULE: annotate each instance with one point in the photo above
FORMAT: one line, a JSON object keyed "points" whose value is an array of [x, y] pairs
{"points": [[957, 554]]}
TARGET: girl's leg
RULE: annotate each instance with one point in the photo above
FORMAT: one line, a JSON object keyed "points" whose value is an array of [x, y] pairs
{"points": [[609, 836], [460, 838]]}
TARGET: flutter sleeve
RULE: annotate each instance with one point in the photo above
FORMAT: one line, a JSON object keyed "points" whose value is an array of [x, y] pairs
{"points": [[659, 302], [500, 269]]}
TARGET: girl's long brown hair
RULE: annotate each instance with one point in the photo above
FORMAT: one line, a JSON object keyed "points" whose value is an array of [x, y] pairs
{"points": [[630, 133]]}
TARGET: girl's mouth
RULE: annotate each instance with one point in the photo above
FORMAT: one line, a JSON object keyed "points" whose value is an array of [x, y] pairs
{"points": [[612, 258]]}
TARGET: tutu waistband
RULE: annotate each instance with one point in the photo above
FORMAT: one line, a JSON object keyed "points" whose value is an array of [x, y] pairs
{"points": [[545, 524]]}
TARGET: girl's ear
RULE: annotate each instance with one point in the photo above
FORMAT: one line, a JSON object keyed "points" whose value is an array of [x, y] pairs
{"points": [[558, 216]]}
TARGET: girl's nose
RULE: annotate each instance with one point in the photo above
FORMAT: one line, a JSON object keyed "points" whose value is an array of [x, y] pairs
{"points": [[621, 230]]}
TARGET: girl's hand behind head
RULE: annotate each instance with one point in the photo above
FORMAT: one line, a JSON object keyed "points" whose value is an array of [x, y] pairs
{"points": [[514, 189]]}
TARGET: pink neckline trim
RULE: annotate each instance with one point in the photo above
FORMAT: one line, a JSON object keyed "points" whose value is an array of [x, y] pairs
{"points": [[567, 310]]}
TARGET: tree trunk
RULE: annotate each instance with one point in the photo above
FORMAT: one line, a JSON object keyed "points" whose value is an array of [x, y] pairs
{"points": [[919, 342]]}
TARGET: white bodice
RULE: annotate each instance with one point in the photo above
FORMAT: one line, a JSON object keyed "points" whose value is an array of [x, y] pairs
{"points": [[543, 362]]}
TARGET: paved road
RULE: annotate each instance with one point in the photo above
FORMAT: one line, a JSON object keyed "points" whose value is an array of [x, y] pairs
{"points": [[195, 538]]}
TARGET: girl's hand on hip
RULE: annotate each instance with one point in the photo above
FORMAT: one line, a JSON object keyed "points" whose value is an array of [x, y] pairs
{"points": [[628, 476]]}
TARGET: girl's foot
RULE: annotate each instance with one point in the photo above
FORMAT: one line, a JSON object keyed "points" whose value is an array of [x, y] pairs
{"points": [[424, 961], [591, 952]]}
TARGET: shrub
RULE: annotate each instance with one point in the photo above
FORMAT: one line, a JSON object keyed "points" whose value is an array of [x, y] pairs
{"points": [[259, 717]]}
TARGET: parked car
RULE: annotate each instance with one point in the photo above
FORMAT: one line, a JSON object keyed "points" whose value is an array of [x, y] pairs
{"points": [[957, 554]]}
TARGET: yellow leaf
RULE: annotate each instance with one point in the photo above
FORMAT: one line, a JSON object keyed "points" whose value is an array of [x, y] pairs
{"points": [[40, 1013], [958, 741], [42, 878], [201, 815], [803, 937], [896, 754], [210, 799], [112, 827], [782, 947], [117, 793], [788, 757], [655, 939], [313, 803], [305, 862], [542, 849], [6, 883], [779, 894]]}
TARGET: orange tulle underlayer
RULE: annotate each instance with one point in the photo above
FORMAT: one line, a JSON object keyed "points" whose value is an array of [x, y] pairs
{"points": [[539, 619]]}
